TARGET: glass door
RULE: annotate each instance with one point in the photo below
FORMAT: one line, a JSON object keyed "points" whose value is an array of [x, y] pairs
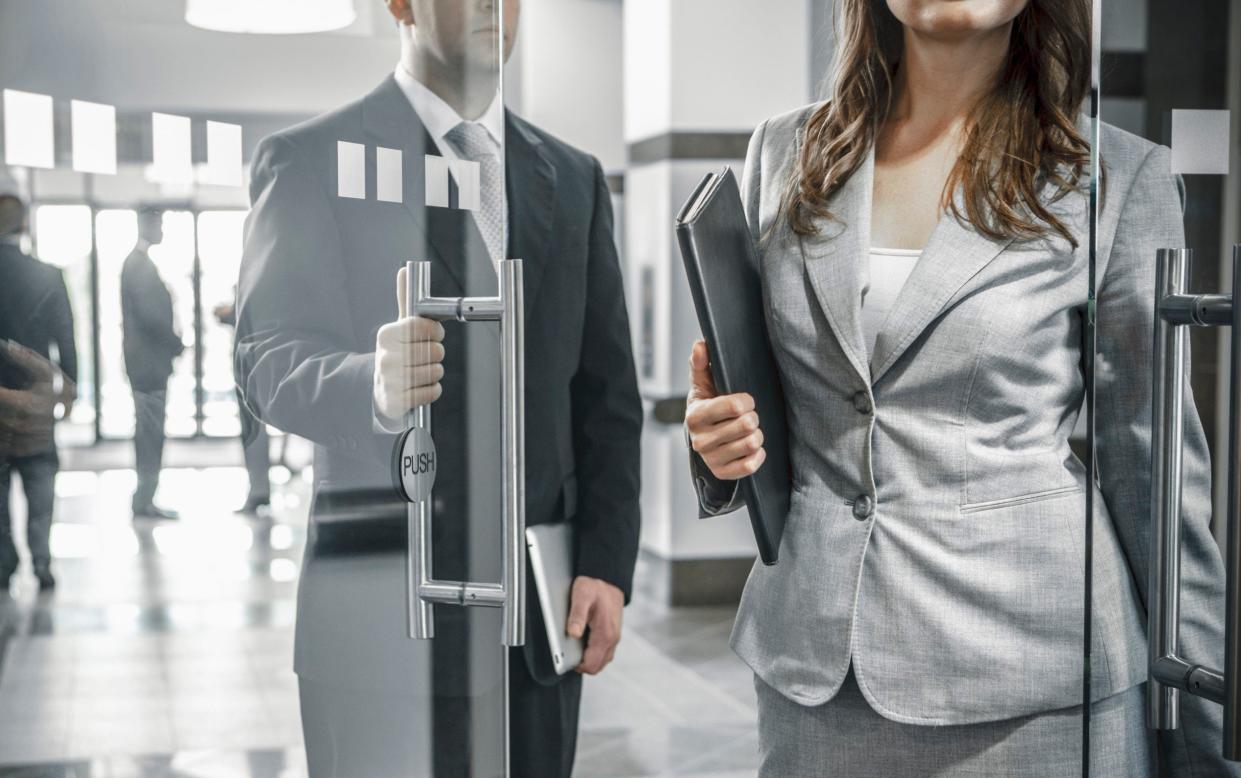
{"points": [[1167, 221], [396, 675], [353, 173]]}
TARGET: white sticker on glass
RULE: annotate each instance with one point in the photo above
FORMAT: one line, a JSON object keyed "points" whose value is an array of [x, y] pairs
{"points": [[437, 181], [469, 191], [1200, 142], [223, 154], [94, 137], [171, 161], [28, 137], [350, 170], [388, 175]]}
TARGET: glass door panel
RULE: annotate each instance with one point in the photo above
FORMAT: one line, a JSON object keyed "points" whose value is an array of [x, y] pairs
{"points": [[1168, 221], [374, 166], [411, 169]]}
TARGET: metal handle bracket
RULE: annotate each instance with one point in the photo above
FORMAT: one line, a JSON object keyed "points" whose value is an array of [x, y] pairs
{"points": [[1171, 674]]}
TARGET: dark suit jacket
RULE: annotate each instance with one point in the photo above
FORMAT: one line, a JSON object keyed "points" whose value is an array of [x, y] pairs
{"points": [[318, 281], [35, 310], [150, 342]]}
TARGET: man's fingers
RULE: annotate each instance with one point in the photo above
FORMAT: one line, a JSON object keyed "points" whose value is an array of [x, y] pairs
{"points": [[423, 375], [600, 650], [581, 602], [34, 364], [27, 403], [411, 330], [402, 304], [394, 364], [601, 647], [422, 395], [417, 329], [593, 661]]}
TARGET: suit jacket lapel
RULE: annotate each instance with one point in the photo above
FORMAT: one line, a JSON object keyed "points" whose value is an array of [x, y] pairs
{"points": [[530, 181], [833, 260], [449, 233], [954, 254]]}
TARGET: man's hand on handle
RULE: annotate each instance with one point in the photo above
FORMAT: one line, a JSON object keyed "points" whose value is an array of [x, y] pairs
{"points": [[722, 429], [409, 360], [599, 605]]}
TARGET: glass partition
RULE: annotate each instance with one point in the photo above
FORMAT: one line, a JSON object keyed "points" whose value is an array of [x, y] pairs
{"points": [[1168, 219], [229, 207]]}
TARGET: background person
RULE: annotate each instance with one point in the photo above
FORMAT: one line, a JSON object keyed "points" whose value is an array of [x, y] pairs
{"points": [[924, 233], [35, 313], [151, 343]]}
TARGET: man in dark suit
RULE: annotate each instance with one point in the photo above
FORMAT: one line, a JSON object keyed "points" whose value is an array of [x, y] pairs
{"points": [[150, 342], [35, 313], [322, 352]]}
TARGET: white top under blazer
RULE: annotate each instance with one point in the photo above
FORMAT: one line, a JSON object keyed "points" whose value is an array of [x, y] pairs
{"points": [[886, 273]]}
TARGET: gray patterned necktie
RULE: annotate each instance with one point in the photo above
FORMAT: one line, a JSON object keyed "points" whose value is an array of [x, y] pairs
{"points": [[474, 143]]}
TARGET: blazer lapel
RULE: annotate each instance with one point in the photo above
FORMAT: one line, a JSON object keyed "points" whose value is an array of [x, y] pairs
{"points": [[530, 182], [954, 254], [449, 233], [833, 260]]}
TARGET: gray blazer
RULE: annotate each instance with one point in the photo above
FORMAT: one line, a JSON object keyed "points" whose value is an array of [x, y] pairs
{"points": [[935, 534]]}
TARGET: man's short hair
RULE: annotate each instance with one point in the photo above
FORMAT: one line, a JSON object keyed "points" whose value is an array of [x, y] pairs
{"points": [[12, 214], [149, 211]]}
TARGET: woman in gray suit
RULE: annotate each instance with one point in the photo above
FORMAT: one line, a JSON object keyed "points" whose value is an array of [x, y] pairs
{"points": [[924, 262]]}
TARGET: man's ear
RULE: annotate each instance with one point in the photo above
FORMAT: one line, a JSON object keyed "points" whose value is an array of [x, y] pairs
{"points": [[401, 10]]}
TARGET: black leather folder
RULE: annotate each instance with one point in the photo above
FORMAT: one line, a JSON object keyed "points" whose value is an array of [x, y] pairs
{"points": [[721, 263]]}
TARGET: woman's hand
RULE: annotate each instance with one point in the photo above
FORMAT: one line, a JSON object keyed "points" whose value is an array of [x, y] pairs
{"points": [[409, 357], [723, 430]]}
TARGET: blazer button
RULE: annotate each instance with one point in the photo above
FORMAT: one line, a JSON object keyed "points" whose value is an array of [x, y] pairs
{"points": [[861, 403], [863, 507]]}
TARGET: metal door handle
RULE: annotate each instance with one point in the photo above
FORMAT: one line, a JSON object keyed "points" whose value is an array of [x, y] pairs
{"points": [[1170, 673], [415, 462]]}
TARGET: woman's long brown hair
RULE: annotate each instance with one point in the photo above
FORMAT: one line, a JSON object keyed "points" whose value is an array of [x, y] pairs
{"points": [[1020, 137]]}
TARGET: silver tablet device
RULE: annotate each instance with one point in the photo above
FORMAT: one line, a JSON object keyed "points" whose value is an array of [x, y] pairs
{"points": [[551, 561]]}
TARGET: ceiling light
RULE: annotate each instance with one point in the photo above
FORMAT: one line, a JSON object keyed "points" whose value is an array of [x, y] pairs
{"points": [[270, 16]]}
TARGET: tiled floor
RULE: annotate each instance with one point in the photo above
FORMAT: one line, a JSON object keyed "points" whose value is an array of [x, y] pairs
{"points": [[166, 651]]}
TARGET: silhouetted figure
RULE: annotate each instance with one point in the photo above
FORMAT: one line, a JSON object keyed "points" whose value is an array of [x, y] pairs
{"points": [[35, 314], [151, 344]]}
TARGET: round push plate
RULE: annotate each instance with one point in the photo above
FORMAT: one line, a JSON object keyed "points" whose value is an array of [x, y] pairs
{"points": [[415, 465]]}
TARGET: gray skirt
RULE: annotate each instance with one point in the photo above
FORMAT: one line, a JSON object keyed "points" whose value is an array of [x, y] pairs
{"points": [[846, 738]]}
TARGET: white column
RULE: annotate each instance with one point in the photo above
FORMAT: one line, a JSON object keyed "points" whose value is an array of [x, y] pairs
{"points": [[565, 74], [699, 75]]}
